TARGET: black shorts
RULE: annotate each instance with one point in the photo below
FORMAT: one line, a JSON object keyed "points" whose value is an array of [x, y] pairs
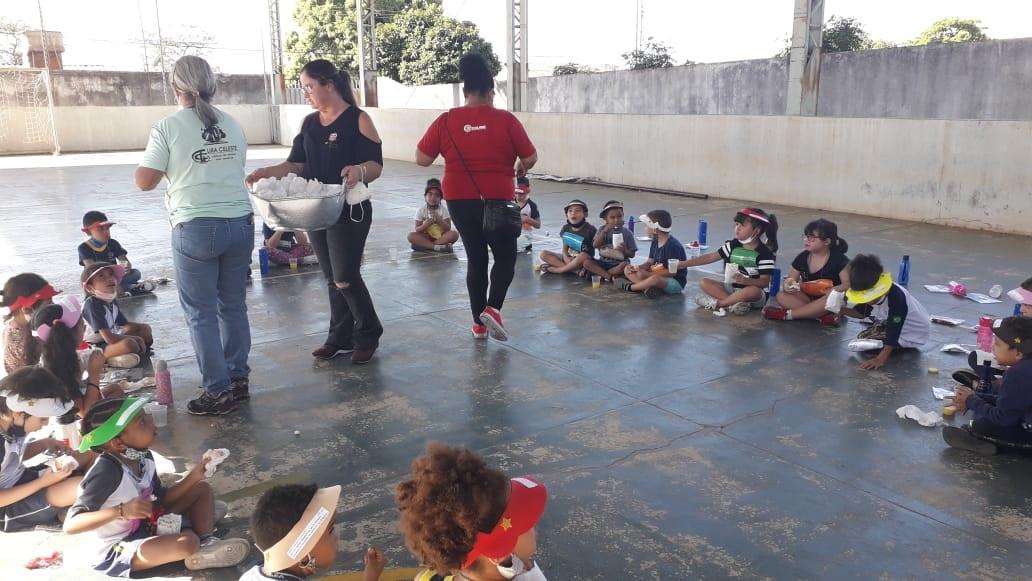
{"points": [[29, 512]]}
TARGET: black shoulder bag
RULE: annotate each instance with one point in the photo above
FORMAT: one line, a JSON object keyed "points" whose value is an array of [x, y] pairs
{"points": [[500, 216]]}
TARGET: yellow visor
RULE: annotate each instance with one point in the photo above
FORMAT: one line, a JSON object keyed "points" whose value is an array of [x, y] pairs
{"points": [[872, 294]]}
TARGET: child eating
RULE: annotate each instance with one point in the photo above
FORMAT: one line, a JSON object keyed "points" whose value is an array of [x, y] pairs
{"points": [[433, 223], [820, 268], [101, 247], [22, 295], [108, 327], [293, 526], [577, 235], [1002, 421], [529, 214], [615, 243], [652, 277]]}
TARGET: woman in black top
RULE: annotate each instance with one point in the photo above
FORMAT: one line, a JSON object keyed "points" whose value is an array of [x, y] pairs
{"points": [[816, 271], [338, 144]]}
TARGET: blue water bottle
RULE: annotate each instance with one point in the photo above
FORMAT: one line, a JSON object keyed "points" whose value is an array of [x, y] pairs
{"points": [[1017, 310], [702, 232], [630, 224], [775, 282], [263, 260], [904, 271]]}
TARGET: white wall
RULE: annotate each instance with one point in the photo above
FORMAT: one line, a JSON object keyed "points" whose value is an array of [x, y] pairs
{"points": [[972, 174], [391, 94]]}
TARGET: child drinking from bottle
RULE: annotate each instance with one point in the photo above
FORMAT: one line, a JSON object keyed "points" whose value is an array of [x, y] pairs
{"points": [[654, 277], [820, 268]]}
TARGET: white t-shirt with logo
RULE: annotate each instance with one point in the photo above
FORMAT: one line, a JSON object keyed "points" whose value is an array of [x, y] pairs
{"points": [[205, 167]]}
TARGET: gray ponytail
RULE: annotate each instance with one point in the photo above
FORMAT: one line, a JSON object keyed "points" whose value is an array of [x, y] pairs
{"points": [[192, 75]]}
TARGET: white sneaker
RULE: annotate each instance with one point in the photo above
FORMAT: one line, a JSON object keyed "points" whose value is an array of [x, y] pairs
{"points": [[215, 553], [705, 301], [126, 361], [721, 312], [739, 308], [310, 259]]}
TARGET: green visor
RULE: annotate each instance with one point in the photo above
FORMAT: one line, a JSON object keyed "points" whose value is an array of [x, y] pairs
{"points": [[114, 425]]}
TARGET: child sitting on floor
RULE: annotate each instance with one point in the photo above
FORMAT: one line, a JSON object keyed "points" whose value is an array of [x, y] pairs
{"points": [[615, 243], [28, 398], [900, 321], [121, 498], [976, 359], [653, 277], [577, 235], [1023, 296], [101, 247], [285, 244], [108, 327], [529, 214], [293, 526], [748, 265], [433, 223], [820, 268], [22, 295], [1002, 420]]}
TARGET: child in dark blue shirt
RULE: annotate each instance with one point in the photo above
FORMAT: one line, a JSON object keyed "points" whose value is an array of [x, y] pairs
{"points": [[1002, 420], [101, 247], [652, 277]]}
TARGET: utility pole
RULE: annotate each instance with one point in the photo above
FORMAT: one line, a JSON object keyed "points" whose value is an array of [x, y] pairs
{"points": [[804, 65], [366, 15], [161, 54], [516, 39], [276, 80]]}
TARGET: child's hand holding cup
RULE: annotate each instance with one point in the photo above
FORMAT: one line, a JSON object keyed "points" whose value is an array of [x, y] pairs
{"points": [[672, 266]]}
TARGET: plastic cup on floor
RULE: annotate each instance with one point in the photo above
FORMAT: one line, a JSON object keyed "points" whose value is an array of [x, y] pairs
{"points": [[596, 281], [293, 263], [158, 412], [393, 252]]}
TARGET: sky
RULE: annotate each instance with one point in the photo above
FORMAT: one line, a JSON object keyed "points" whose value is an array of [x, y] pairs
{"points": [[588, 32]]}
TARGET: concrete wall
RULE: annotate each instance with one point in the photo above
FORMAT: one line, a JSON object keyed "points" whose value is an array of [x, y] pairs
{"points": [[393, 95], [972, 174]]}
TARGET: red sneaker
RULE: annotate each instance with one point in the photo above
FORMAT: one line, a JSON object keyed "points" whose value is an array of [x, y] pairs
{"points": [[830, 320], [492, 319], [479, 332], [774, 313]]}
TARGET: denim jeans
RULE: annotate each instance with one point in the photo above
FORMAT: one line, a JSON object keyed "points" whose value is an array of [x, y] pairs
{"points": [[212, 257], [132, 276]]}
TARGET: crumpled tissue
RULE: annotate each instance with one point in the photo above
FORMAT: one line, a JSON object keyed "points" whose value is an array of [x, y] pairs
{"points": [[926, 419], [941, 392]]}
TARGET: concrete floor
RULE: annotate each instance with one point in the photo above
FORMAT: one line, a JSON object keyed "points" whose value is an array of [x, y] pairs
{"points": [[675, 444]]}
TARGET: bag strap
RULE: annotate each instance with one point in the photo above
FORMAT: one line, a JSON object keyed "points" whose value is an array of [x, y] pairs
{"points": [[461, 158]]}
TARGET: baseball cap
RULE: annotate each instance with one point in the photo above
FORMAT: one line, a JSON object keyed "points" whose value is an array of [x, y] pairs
{"points": [[93, 218], [1016, 332]]}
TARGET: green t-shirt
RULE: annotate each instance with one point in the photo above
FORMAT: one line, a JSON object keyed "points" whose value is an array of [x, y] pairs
{"points": [[205, 168]]}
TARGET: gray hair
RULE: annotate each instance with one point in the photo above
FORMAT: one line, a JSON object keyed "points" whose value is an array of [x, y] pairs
{"points": [[193, 76]]}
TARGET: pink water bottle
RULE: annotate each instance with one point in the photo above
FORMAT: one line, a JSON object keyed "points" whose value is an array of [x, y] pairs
{"points": [[163, 382], [957, 289], [985, 334]]}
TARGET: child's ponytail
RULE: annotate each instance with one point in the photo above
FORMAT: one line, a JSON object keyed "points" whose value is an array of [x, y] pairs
{"points": [[59, 350], [841, 246], [771, 232]]}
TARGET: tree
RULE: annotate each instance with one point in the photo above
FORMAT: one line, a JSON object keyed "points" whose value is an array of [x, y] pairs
{"points": [[844, 34], [571, 69], [951, 30], [328, 31], [422, 46], [655, 55], [189, 41], [11, 34]]}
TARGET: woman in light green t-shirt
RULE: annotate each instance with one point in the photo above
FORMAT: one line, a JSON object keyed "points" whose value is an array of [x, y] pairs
{"points": [[202, 150]]}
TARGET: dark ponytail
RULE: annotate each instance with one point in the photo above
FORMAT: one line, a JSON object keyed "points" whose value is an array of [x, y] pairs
{"points": [[325, 72], [769, 229], [476, 77], [59, 351], [827, 230]]}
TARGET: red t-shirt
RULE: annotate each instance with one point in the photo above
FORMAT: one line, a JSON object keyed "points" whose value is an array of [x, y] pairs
{"points": [[489, 139]]}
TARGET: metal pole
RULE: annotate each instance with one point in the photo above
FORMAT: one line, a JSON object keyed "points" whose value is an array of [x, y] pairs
{"points": [[516, 44], [47, 80], [143, 38], [804, 65], [366, 19], [161, 55]]}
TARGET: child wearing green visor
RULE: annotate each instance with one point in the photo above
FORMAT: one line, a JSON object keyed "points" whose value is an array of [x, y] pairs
{"points": [[121, 498]]}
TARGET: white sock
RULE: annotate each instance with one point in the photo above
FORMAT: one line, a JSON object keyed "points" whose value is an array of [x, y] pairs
{"points": [[438, 247], [788, 315]]}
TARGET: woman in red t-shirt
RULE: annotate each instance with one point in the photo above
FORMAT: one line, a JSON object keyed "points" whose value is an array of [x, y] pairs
{"points": [[481, 146]]}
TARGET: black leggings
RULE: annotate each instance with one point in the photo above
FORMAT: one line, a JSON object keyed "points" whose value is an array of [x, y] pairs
{"points": [[353, 320], [468, 217], [1016, 438]]}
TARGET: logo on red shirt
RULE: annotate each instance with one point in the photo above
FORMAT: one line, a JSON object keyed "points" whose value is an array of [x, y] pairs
{"points": [[471, 128]]}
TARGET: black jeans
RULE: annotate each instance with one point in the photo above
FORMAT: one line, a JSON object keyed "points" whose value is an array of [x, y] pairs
{"points": [[468, 217], [353, 320], [1016, 438]]}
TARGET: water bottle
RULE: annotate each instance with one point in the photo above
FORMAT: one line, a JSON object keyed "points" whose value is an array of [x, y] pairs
{"points": [[996, 291], [263, 260], [162, 382], [957, 289], [1017, 310], [630, 224], [987, 376], [904, 271], [775, 282], [985, 334], [702, 232]]}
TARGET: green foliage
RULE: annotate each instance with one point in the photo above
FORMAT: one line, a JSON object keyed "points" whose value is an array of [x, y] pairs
{"points": [[655, 55], [11, 34], [329, 30], [952, 30], [844, 34], [571, 69]]}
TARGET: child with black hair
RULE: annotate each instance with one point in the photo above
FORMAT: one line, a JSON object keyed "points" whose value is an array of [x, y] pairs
{"points": [[121, 498], [21, 296], [293, 526], [615, 243], [28, 397], [820, 268], [108, 327], [101, 247], [433, 230], [577, 235], [1023, 296], [284, 245], [653, 277], [975, 374], [749, 260], [901, 322], [1002, 421], [530, 217]]}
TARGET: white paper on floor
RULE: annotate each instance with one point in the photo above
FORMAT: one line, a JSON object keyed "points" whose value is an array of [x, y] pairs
{"points": [[926, 419], [955, 348], [941, 392]]}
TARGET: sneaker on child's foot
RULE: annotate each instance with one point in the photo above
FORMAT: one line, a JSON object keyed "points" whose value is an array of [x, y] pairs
{"points": [[310, 260], [962, 439], [127, 361], [211, 405], [215, 553], [966, 377], [705, 301], [653, 293], [830, 320], [239, 388], [479, 332], [774, 313], [492, 319], [739, 308], [141, 288], [623, 284]]}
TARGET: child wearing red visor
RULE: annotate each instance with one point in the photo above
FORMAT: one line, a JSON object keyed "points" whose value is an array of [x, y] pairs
{"points": [[465, 520], [101, 247], [22, 295]]}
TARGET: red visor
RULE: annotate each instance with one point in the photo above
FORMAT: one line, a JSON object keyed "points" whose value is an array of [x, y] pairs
{"points": [[527, 498], [44, 294], [522, 189], [755, 215], [87, 229]]}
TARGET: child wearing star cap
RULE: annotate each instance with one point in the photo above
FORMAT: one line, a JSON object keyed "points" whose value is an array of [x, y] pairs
{"points": [[465, 520]]}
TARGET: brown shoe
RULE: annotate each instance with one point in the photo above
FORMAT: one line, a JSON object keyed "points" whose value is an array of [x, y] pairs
{"points": [[328, 351], [362, 356]]}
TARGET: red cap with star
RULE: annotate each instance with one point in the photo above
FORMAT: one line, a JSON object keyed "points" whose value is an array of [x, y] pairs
{"points": [[527, 499]]}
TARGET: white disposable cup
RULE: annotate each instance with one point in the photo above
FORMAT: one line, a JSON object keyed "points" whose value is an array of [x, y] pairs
{"points": [[617, 240], [393, 251], [671, 265], [596, 281], [158, 412]]}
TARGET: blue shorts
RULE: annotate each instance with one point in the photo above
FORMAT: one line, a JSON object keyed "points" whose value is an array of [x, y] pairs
{"points": [[31, 511], [673, 287], [609, 263]]}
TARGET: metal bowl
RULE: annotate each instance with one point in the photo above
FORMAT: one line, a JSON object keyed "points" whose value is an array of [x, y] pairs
{"points": [[300, 212]]}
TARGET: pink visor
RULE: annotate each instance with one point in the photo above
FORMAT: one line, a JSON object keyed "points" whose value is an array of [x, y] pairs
{"points": [[71, 312], [1020, 296]]}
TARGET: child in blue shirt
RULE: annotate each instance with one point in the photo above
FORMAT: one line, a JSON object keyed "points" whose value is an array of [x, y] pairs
{"points": [[101, 247], [577, 235], [615, 243], [652, 276]]}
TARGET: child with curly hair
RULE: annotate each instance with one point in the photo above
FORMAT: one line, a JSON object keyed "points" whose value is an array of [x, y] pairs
{"points": [[466, 520], [294, 528]]}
